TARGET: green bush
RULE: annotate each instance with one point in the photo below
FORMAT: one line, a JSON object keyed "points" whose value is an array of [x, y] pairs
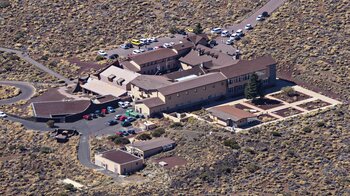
{"points": [[113, 137], [289, 91], [46, 150], [307, 129], [232, 144], [144, 136], [276, 134], [158, 132], [121, 140], [320, 124], [176, 125], [4, 4], [50, 123], [100, 58], [173, 30]]}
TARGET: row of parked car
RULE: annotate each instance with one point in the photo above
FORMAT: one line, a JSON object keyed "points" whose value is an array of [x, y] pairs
{"points": [[99, 113], [139, 42]]}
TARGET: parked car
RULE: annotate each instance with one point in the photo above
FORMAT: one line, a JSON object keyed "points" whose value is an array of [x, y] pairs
{"points": [[136, 42], [235, 36], [248, 27], [113, 56], [111, 122], [137, 51], [216, 30], [104, 111], [124, 132], [117, 116], [122, 118], [126, 46], [240, 33], [229, 42], [99, 113], [144, 41], [225, 33], [126, 123], [130, 119], [93, 115], [131, 131], [189, 29], [265, 14], [87, 117], [110, 109], [2, 115], [260, 18], [150, 49], [182, 32], [166, 45], [120, 133], [102, 53], [153, 39], [142, 50]]}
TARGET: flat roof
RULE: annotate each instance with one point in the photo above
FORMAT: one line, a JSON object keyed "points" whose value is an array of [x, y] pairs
{"points": [[152, 144], [154, 55], [119, 73], [230, 112], [193, 83], [129, 66], [119, 156], [197, 70], [192, 76], [53, 108]]}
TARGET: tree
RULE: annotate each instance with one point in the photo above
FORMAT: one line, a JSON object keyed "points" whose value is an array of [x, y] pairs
{"points": [[253, 88], [198, 29], [144, 136], [289, 91], [158, 132], [173, 30], [50, 123], [121, 140]]}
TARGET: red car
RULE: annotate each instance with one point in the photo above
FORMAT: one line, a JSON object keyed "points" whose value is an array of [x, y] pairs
{"points": [[122, 118], [119, 133], [104, 111], [87, 117]]}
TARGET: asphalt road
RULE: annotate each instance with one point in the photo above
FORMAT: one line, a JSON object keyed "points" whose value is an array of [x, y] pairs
{"points": [[27, 91], [25, 57]]}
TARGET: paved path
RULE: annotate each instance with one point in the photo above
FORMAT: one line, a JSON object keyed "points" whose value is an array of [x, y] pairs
{"points": [[25, 57], [27, 91]]}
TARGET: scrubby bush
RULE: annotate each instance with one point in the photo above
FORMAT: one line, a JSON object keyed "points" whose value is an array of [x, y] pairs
{"points": [[173, 30], [158, 132], [307, 129], [100, 58], [289, 91], [70, 187], [320, 124], [113, 137], [252, 167], [46, 150], [176, 125], [144, 136], [50, 123], [4, 3], [276, 134], [121, 140], [232, 144]]}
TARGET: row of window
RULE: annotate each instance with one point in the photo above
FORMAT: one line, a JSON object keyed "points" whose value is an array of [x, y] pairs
{"points": [[157, 62], [196, 90], [242, 78]]}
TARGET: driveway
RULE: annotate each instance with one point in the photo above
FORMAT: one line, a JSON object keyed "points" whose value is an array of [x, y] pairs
{"points": [[25, 57], [27, 91]]}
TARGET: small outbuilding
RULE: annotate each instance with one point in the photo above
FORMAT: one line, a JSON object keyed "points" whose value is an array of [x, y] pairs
{"points": [[148, 148], [231, 116], [119, 161]]}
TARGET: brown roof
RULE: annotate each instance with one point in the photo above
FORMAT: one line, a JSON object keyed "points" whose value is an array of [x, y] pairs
{"points": [[247, 66], [230, 112], [106, 99], [119, 156], [192, 83], [197, 38], [152, 102], [51, 108], [150, 82], [197, 70], [152, 144], [155, 55], [129, 66], [184, 45]]}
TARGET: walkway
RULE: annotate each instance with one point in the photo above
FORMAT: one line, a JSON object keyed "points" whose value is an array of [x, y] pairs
{"points": [[27, 91], [25, 57]]}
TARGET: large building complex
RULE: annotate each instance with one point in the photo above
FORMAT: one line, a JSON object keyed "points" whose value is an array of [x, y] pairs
{"points": [[188, 74]]}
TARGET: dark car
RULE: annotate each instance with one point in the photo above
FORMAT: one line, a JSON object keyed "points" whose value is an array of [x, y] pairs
{"points": [[131, 131], [182, 32], [111, 122], [114, 56], [130, 119], [126, 123], [265, 14], [99, 113], [93, 115]]}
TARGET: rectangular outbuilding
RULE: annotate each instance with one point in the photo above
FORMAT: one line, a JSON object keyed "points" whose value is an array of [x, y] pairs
{"points": [[119, 162], [148, 148]]}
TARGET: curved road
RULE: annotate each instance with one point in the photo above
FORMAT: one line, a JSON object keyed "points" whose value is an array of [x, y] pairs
{"points": [[25, 57], [27, 91]]}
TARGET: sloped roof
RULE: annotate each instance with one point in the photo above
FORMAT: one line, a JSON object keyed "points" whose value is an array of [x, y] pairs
{"points": [[119, 156], [230, 112], [154, 55], [193, 83], [52, 108], [150, 82], [247, 66], [197, 70]]}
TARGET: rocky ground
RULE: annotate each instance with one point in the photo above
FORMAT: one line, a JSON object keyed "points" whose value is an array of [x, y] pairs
{"points": [[309, 39], [67, 28], [7, 92], [14, 68]]}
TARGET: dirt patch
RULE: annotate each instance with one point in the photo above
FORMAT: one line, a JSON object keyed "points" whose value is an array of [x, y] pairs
{"points": [[172, 161], [7, 92], [265, 103], [266, 118], [51, 94], [287, 112], [296, 96], [314, 104], [86, 66]]}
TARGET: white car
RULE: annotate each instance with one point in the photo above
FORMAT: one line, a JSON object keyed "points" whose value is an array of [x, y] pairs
{"points": [[248, 27], [235, 36], [102, 53], [144, 41], [216, 30], [240, 32], [260, 18], [2, 115], [153, 39], [171, 43], [142, 50], [126, 103], [225, 33], [136, 51], [229, 42], [166, 45]]}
